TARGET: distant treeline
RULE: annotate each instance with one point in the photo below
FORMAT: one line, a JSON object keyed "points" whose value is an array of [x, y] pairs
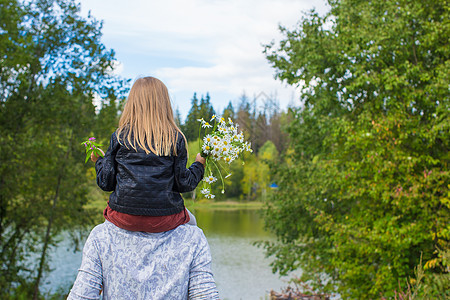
{"points": [[260, 118], [262, 122]]}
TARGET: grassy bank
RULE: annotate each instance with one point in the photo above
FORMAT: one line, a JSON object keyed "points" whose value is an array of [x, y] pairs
{"points": [[225, 204], [100, 199]]}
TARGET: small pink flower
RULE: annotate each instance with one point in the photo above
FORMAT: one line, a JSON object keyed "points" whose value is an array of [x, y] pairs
{"points": [[92, 138]]}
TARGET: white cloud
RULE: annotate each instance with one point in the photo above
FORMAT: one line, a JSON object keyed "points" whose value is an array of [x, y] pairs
{"points": [[116, 69], [200, 45]]}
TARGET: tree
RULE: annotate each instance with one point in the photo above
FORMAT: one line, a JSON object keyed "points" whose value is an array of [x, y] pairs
{"points": [[228, 112], [206, 110], [277, 133], [198, 111], [52, 65], [260, 131], [190, 127], [245, 116], [365, 191], [107, 119], [177, 116]]}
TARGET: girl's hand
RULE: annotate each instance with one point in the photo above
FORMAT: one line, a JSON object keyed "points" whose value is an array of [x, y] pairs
{"points": [[94, 157], [200, 159]]}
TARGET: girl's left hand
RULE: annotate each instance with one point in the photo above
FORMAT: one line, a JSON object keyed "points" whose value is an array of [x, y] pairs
{"points": [[94, 157]]}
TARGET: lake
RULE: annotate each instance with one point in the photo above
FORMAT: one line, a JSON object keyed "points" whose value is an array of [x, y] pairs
{"points": [[240, 269]]}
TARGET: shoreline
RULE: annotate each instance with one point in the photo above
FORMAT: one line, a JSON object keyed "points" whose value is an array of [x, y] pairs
{"points": [[228, 204]]}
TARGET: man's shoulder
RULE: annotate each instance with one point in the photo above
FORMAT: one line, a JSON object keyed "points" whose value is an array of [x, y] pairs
{"points": [[188, 235], [101, 229], [185, 231], [189, 230]]}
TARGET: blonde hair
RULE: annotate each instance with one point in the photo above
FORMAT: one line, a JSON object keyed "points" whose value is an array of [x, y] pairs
{"points": [[147, 119]]}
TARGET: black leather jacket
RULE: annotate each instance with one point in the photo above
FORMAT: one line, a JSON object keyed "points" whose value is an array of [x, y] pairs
{"points": [[146, 184]]}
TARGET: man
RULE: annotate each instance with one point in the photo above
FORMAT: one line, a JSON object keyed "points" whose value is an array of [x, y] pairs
{"points": [[175, 264]]}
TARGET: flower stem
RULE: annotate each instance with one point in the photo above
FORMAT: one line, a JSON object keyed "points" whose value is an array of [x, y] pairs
{"points": [[207, 168], [221, 178], [199, 139]]}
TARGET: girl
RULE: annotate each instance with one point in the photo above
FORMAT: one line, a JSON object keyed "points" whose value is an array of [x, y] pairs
{"points": [[145, 164]]}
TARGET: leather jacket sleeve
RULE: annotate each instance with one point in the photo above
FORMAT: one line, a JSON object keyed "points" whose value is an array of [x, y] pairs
{"points": [[105, 167], [186, 180]]}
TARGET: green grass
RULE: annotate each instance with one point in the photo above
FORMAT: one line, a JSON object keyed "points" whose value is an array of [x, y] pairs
{"points": [[99, 200], [225, 204]]}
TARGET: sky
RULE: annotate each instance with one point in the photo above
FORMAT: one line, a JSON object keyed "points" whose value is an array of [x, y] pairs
{"points": [[201, 46]]}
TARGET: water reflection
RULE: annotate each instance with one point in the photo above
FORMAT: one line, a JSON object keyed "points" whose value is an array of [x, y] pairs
{"points": [[236, 223], [240, 269]]}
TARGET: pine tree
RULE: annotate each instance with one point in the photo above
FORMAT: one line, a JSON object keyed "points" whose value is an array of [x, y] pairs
{"points": [[228, 112], [190, 127]]}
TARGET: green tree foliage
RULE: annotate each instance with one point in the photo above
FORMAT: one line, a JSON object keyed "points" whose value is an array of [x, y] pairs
{"points": [[228, 112], [177, 116], [365, 189], [52, 63], [107, 120], [262, 123], [204, 110], [257, 176], [190, 126], [245, 116]]}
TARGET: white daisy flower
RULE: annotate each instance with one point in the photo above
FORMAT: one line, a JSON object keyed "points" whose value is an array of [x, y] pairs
{"points": [[205, 191], [210, 196], [210, 179], [206, 125], [206, 148], [208, 138], [247, 147], [226, 141], [224, 150], [228, 159]]}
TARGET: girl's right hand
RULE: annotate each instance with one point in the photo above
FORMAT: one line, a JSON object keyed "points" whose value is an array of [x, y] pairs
{"points": [[94, 157], [200, 159]]}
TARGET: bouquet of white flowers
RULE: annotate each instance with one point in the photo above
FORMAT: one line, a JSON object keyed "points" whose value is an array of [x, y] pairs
{"points": [[222, 144]]}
